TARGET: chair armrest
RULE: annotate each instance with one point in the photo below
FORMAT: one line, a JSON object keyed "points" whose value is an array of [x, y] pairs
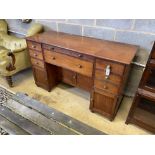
{"points": [[7, 60], [3, 26], [13, 43]]}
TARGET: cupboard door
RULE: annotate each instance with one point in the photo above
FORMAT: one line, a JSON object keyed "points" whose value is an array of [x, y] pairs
{"points": [[40, 77], [68, 76], [102, 104], [84, 82]]}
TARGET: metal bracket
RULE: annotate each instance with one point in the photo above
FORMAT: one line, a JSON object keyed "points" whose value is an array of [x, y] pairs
{"points": [[107, 72]]}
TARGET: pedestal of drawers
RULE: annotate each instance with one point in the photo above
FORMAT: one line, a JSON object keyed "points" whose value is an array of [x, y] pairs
{"points": [[108, 91]]}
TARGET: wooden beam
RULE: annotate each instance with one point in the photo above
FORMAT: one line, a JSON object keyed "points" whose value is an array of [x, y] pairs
{"points": [[23, 123], [56, 115]]}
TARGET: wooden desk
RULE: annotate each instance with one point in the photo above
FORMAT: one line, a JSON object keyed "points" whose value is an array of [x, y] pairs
{"points": [[100, 67]]}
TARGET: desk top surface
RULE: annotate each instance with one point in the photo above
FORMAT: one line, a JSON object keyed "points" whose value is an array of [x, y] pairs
{"points": [[110, 50]]}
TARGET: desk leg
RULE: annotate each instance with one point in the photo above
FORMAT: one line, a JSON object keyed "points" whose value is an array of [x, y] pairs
{"points": [[9, 80]]}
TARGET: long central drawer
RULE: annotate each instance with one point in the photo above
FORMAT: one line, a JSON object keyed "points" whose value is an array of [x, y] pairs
{"points": [[68, 62]]}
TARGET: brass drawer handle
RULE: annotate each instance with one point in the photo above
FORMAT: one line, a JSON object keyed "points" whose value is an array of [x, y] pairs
{"points": [[107, 71], [33, 46]]}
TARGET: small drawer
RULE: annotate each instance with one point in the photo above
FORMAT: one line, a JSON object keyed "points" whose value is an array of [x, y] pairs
{"points": [[106, 86], [114, 67], [37, 62], [100, 75], [49, 47], [68, 52], [36, 54], [34, 45]]}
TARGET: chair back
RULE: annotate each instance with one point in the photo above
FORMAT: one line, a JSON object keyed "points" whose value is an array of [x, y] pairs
{"points": [[3, 26], [34, 29]]}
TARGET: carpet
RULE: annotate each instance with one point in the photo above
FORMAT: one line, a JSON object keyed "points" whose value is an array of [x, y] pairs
{"points": [[3, 132], [4, 96], [22, 115]]}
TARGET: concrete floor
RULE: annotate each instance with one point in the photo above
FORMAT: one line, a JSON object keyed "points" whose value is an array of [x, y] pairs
{"points": [[75, 103]]}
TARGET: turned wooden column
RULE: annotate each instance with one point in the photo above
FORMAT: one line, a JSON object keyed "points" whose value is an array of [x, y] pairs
{"points": [[9, 80], [10, 67]]}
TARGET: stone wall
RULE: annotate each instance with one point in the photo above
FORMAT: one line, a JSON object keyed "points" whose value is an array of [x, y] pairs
{"points": [[133, 31]]}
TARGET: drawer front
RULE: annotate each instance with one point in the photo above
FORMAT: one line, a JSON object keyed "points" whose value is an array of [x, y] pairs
{"points": [[36, 62], [114, 67], [100, 75], [106, 86], [68, 52], [35, 54], [34, 45], [68, 62]]}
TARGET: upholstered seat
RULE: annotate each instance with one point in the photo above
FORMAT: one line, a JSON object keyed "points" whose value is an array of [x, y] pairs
{"points": [[13, 51]]}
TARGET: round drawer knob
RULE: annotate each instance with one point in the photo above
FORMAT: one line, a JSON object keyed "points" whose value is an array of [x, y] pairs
{"points": [[53, 58], [106, 77], [35, 55], [74, 77], [80, 55], [80, 66], [33, 46], [37, 63], [105, 87], [52, 48]]}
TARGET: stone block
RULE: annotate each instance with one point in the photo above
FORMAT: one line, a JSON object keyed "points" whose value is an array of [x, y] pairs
{"points": [[68, 28], [89, 22], [136, 38], [99, 33], [48, 25], [115, 23], [51, 20], [145, 25]]}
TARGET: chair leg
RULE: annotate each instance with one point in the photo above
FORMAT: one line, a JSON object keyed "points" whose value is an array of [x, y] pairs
{"points": [[9, 80]]}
